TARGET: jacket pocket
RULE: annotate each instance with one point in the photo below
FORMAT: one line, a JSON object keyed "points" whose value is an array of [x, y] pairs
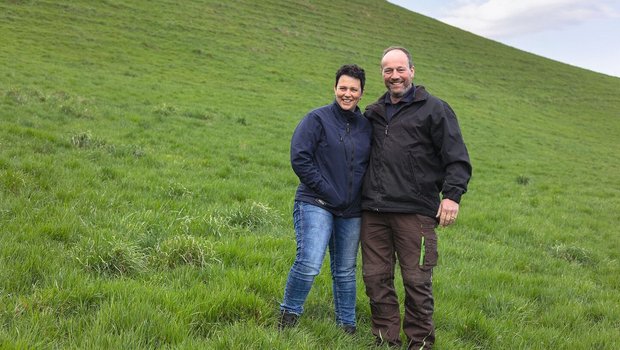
{"points": [[421, 179], [413, 173]]}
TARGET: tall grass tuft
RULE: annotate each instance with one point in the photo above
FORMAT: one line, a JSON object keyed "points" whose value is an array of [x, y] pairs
{"points": [[165, 110], [577, 255], [85, 139], [183, 250], [24, 96], [225, 307], [110, 256], [251, 216]]}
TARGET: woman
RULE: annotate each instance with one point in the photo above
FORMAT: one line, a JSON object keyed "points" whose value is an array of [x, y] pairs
{"points": [[329, 153]]}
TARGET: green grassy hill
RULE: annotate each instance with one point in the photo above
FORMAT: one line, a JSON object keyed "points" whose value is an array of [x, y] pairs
{"points": [[146, 193]]}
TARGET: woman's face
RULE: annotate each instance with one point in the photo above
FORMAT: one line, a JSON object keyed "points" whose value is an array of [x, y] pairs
{"points": [[348, 92]]}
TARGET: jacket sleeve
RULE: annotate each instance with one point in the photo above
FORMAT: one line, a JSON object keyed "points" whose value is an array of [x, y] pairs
{"points": [[304, 144], [455, 161]]}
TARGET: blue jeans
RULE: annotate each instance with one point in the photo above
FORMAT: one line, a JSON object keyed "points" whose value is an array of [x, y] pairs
{"points": [[315, 230]]}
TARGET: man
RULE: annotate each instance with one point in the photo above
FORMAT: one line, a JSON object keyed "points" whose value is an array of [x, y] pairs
{"points": [[417, 155]]}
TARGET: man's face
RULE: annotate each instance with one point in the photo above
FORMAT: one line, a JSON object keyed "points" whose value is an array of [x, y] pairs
{"points": [[348, 92], [397, 74]]}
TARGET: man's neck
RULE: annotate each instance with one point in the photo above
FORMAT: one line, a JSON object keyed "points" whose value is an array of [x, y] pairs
{"points": [[396, 99]]}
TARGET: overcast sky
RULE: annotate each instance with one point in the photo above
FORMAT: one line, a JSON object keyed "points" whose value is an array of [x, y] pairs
{"points": [[581, 33]]}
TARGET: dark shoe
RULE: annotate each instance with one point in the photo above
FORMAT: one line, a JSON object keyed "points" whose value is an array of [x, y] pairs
{"points": [[347, 328], [391, 344], [287, 320]]}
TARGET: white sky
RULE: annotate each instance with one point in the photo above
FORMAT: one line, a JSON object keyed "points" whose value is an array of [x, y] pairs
{"points": [[581, 33]]}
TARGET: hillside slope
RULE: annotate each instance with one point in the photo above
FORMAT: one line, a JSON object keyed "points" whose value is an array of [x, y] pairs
{"points": [[145, 189]]}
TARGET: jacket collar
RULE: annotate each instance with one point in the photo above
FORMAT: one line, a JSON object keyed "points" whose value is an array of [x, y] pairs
{"points": [[419, 94], [406, 99], [347, 115]]}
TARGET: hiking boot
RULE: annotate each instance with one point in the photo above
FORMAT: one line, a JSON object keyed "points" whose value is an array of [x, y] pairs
{"points": [[348, 328], [287, 320], [392, 344]]}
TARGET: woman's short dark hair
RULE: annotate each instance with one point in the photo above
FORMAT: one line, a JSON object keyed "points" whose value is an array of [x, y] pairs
{"points": [[353, 71]]}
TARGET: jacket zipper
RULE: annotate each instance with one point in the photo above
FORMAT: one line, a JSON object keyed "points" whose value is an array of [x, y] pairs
{"points": [[348, 133]]}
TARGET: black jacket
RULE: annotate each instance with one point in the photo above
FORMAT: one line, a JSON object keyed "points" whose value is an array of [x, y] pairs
{"points": [[329, 153], [415, 156]]}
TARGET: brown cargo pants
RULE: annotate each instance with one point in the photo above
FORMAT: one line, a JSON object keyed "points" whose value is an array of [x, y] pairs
{"points": [[410, 239]]}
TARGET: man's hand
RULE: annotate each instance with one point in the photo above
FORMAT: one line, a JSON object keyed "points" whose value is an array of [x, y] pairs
{"points": [[447, 213]]}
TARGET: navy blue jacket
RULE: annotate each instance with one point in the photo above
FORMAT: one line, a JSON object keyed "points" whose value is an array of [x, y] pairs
{"points": [[329, 153]]}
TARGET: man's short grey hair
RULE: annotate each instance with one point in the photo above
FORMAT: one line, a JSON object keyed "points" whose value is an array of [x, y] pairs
{"points": [[400, 48]]}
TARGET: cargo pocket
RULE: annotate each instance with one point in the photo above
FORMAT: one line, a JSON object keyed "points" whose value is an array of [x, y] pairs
{"points": [[427, 259], [428, 248]]}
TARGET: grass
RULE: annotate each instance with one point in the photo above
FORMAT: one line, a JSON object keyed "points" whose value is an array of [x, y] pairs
{"points": [[146, 191]]}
